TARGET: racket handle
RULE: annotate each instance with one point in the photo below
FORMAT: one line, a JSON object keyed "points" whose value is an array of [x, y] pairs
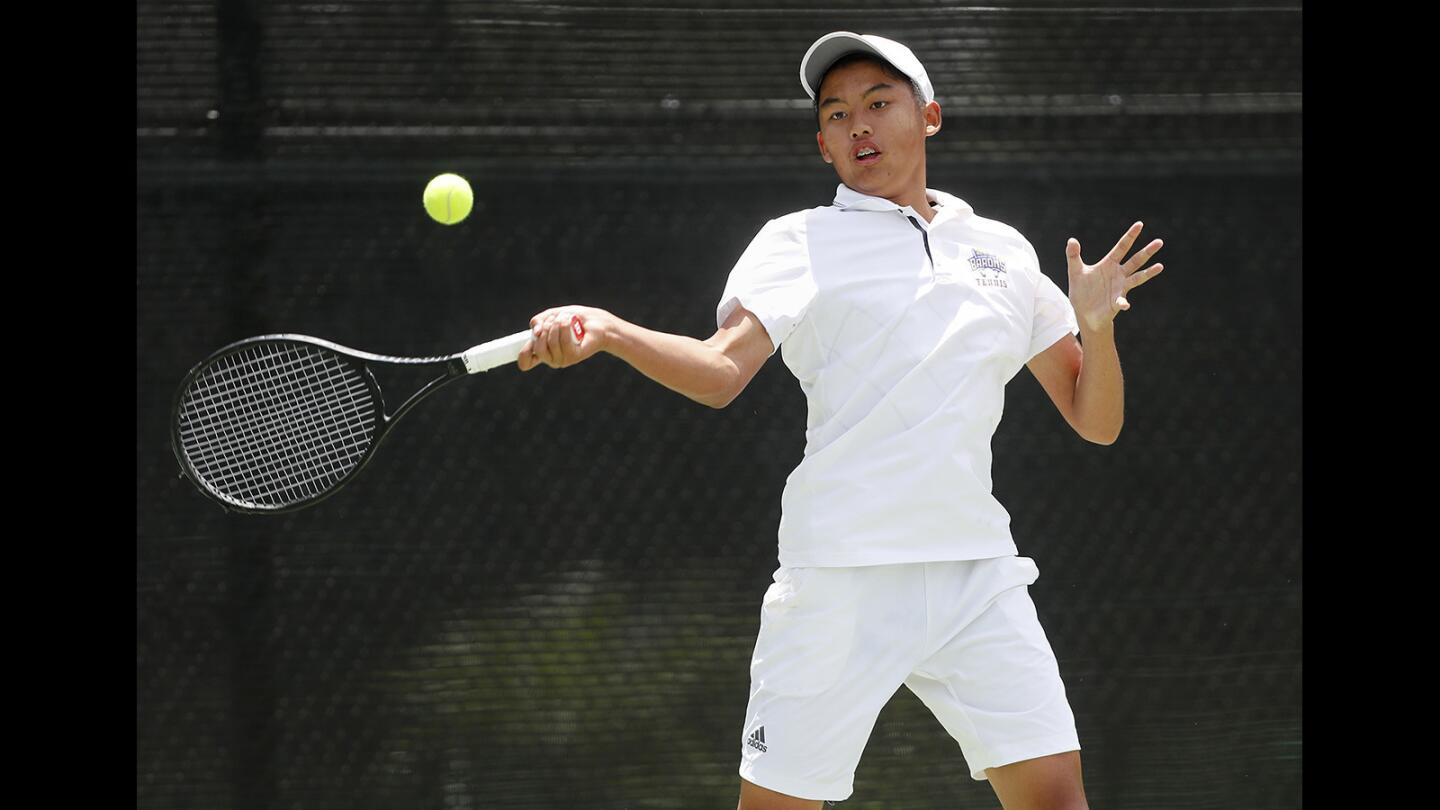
{"points": [[495, 352], [504, 350]]}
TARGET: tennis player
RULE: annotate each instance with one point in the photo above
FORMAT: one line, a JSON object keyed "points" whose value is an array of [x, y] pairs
{"points": [[903, 314]]}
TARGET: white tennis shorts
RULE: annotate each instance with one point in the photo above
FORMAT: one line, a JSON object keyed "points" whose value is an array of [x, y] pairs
{"points": [[836, 643]]}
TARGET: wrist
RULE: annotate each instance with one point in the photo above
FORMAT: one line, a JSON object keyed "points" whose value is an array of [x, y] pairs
{"points": [[1090, 332], [614, 335]]}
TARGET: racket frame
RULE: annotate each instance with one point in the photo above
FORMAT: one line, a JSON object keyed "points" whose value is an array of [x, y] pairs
{"points": [[474, 360]]}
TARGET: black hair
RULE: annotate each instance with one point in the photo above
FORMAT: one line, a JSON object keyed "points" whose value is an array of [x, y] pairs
{"points": [[862, 56]]}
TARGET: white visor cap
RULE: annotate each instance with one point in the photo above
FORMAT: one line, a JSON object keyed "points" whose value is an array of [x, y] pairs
{"points": [[831, 47]]}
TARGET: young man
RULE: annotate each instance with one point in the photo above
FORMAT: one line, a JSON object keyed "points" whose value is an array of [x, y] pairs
{"points": [[902, 314]]}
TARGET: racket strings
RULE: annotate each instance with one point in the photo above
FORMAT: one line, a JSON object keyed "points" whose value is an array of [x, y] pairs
{"points": [[276, 423], [289, 441], [268, 424], [278, 437], [284, 434]]}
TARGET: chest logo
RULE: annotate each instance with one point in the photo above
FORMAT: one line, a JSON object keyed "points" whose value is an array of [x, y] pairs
{"points": [[989, 270]]}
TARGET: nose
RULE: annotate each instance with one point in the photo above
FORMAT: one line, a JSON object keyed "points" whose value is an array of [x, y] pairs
{"points": [[858, 128]]}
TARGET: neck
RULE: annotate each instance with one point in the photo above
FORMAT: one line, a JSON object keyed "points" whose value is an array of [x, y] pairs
{"points": [[917, 200], [914, 195]]}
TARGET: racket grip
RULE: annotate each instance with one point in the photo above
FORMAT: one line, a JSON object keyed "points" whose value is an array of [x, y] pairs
{"points": [[504, 350], [495, 352]]}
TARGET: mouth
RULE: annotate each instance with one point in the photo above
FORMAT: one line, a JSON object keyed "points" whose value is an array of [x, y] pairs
{"points": [[865, 154]]}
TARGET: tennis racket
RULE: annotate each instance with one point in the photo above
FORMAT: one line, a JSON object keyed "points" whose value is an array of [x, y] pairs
{"points": [[279, 422]]}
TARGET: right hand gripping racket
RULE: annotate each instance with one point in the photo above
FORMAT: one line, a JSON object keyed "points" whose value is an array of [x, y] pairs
{"points": [[279, 422]]}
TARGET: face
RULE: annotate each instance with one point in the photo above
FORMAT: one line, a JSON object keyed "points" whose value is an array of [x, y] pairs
{"points": [[873, 133]]}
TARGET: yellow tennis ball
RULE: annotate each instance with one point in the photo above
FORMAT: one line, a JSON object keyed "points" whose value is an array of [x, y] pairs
{"points": [[448, 199]]}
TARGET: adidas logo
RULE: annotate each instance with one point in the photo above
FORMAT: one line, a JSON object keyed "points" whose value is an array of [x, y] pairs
{"points": [[757, 740]]}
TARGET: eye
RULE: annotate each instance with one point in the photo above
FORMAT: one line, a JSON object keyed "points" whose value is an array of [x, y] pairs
{"points": [[837, 115], [879, 105]]}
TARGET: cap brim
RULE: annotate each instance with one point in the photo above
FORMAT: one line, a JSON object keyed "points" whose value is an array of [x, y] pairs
{"points": [[824, 53]]}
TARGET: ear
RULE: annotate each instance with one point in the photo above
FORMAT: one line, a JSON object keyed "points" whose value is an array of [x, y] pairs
{"points": [[931, 113], [824, 153]]}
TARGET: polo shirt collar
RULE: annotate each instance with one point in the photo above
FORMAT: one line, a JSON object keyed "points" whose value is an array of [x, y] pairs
{"points": [[849, 199]]}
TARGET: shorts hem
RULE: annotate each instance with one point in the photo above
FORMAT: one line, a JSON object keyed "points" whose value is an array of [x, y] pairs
{"points": [[799, 788], [1019, 752]]}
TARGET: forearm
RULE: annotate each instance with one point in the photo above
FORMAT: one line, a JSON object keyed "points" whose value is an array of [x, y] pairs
{"points": [[1099, 389], [683, 364]]}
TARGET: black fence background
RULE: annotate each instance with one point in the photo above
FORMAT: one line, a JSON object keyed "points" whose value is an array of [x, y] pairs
{"points": [[544, 591]]}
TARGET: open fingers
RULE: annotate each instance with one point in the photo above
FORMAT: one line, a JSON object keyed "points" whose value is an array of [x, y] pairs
{"points": [[1072, 256], [1117, 253], [1136, 279], [1138, 260]]}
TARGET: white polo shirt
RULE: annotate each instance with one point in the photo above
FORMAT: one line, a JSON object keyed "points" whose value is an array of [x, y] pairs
{"points": [[903, 335]]}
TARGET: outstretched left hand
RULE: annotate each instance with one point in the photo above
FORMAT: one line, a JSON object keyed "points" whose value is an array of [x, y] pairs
{"points": [[1097, 291]]}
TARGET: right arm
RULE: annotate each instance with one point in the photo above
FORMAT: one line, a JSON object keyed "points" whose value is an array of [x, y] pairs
{"points": [[712, 372]]}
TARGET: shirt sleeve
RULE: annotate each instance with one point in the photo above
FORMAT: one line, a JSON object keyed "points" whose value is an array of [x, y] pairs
{"points": [[772, 279], [1054, 315]]}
